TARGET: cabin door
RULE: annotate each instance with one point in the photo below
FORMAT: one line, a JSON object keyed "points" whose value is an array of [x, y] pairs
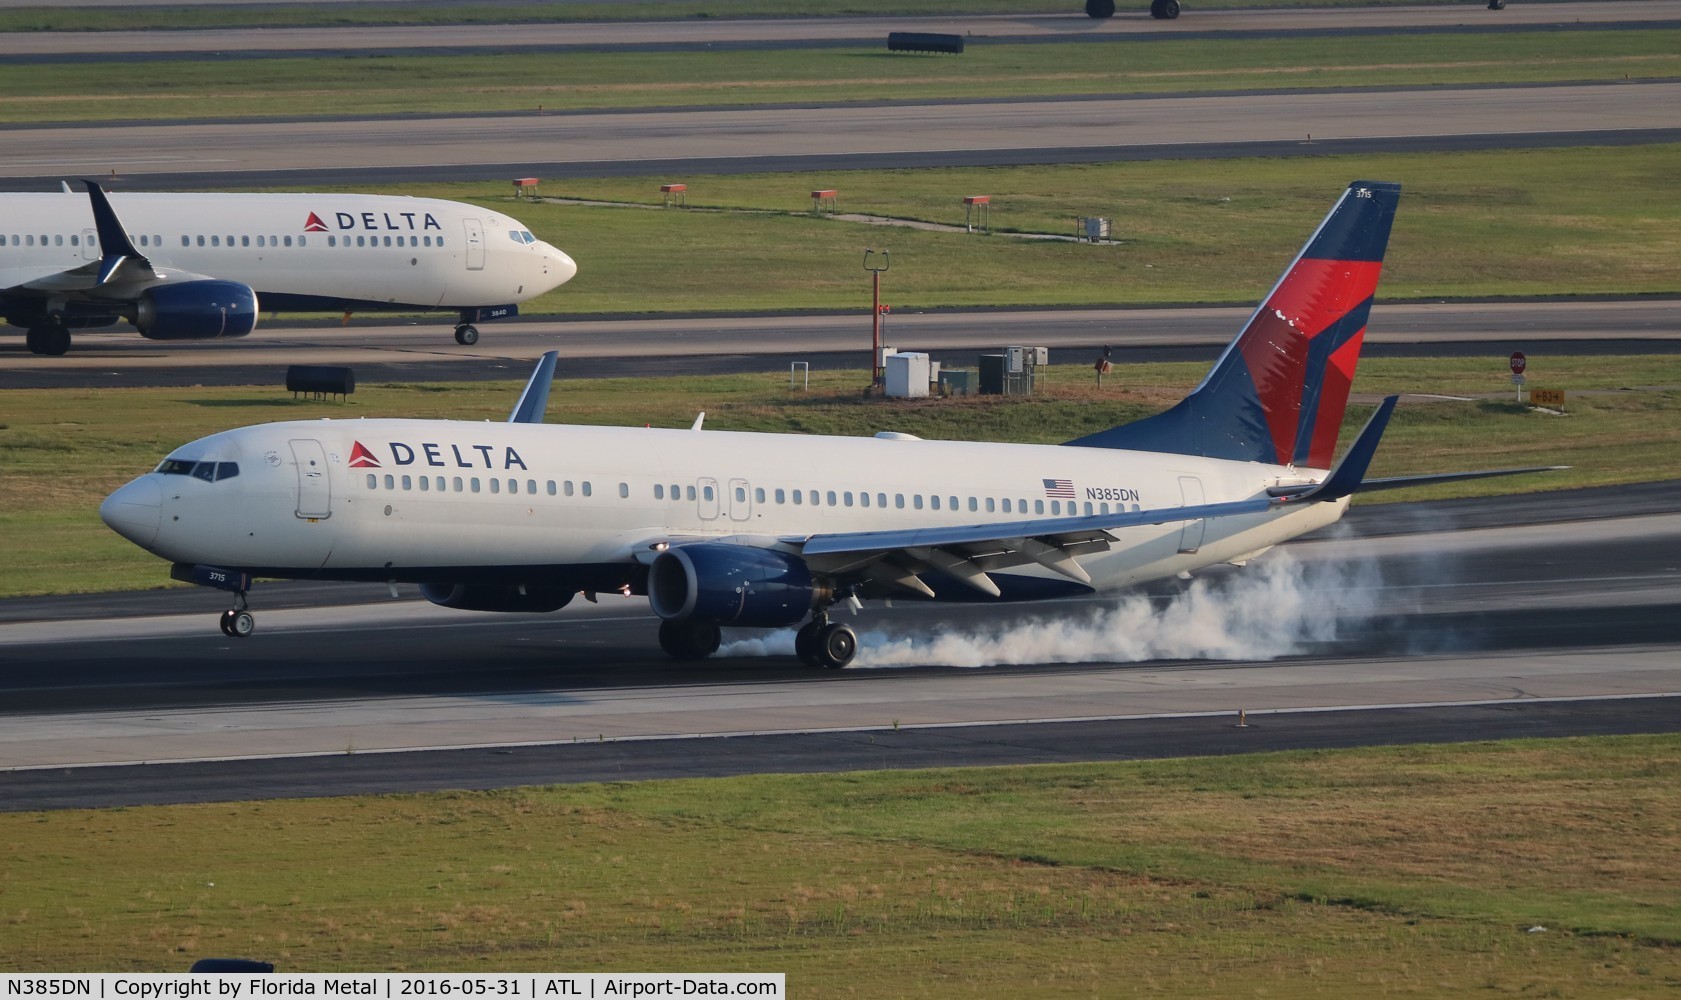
{"points": [[315, 495], [475, 244]]}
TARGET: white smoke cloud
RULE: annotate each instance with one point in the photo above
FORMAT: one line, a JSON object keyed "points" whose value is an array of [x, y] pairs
{"points": [[1277, 606]]}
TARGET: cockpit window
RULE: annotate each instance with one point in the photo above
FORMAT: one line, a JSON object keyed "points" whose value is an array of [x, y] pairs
{"points": [[521, 236], [210, 472]]}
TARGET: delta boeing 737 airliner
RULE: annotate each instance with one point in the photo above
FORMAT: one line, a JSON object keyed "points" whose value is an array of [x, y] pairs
{"points": [[769, 530], [201, 266]]}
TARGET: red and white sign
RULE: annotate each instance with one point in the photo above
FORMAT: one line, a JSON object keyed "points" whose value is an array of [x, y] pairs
{"points": [[1519, 362]]}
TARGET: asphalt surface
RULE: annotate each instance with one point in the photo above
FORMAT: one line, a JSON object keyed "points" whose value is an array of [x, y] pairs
{"points": [[424, 350], [1505, 617]]}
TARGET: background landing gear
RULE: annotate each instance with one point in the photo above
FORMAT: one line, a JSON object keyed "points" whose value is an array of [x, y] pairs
{"points": [[689, 640]]}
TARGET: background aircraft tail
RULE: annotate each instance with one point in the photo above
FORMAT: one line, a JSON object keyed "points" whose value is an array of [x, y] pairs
{"points": [[1278, 392]]}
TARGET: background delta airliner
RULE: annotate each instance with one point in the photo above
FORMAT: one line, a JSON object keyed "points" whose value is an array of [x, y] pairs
{"points": [[201, 266], [766, 530]]}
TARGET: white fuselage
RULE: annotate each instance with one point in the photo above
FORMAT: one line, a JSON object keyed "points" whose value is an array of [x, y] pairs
{"points": [[298, 251], [420, 500]]}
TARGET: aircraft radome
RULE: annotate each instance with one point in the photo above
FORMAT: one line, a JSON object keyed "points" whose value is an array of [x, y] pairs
{"points": [[201, 266], [771, 530]]}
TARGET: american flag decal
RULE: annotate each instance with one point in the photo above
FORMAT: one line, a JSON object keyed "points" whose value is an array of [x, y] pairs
{"points": [[1059, 489]]}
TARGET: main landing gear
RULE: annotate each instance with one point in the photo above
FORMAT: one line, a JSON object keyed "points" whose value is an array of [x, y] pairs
{"points": [[689, 640], [52, 341], [237, 623], [824, 644]]}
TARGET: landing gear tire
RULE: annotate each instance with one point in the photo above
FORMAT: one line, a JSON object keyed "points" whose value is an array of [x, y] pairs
{"points": [[238, 624], [466, 335], [836, 646], [1496, 4], [1100, 8], [52, 341], [1164, 10], [805, 642], [690, 640]]}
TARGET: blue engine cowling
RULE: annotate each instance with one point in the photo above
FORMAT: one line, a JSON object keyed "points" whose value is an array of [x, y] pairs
{"points": [[463, 597], [732, 585], [196, 310]]}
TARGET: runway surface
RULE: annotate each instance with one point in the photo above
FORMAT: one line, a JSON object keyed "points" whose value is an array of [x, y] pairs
{"points": [[424, 349], [1462, 633], [159, 156], [1131, 22]]}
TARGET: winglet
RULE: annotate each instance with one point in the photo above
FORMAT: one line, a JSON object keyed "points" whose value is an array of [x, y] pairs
{"points": [[534, 401], [1344, 478], [114, 243]]}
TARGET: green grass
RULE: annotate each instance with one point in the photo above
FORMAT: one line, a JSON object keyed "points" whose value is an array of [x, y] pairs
{"points": [[515, 82], [68, 17], [62, 451], [1585, 221], [1415, 871]]}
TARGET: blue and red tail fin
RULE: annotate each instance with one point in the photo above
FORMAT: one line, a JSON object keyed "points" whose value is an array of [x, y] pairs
{"points": [[1278, 392]]}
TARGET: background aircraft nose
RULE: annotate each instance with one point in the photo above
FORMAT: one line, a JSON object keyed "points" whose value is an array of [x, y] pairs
{"points": [[561, 267], [134, 511]]}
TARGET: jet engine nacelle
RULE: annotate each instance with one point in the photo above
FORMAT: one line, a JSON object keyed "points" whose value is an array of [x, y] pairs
{"points": [[196, 310], [463, 597], [732, 585]]}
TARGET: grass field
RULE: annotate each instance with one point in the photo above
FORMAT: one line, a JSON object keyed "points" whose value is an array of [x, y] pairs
{"points": [[64, 450], [515, 82], [1403, 871], [48, 17]]}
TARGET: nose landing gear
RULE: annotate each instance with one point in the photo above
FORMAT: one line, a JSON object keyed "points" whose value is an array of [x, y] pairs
{"points": [[237, 623]]}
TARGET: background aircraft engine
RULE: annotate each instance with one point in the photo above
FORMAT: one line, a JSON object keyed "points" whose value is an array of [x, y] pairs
{"points": [[732, 585], [481, 598], [196, 310]]}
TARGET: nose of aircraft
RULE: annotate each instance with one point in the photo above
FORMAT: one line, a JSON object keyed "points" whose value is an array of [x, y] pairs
{"points": [[134, 511], [561, 267]]}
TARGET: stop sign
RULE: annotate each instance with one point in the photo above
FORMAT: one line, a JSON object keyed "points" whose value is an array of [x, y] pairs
{"points": [[1518, 362]]}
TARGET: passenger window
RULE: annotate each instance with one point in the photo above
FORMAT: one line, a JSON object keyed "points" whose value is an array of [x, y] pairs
{"points": [[551, 487], [1038, 506], [934, 501], [474, 484], [758, 494], [406, 483], [457, 484], [811, 498], [245, 241], [1006, 505], [846, 498], [75, 241], [781, 497], [881, 500], [373, 480], [863, 499], [586, 487], [916, 501], [624, 491], [741, 494], [513, 486], [1088, 508], [425, 484], [899, 501], [974, 507], [390, 481], [215, 241], [797, 498], [831, 498], [495, 485], [989, 505], [288, 241], [1056, 506], [568, 487], [659, 491], [706, 492]]}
